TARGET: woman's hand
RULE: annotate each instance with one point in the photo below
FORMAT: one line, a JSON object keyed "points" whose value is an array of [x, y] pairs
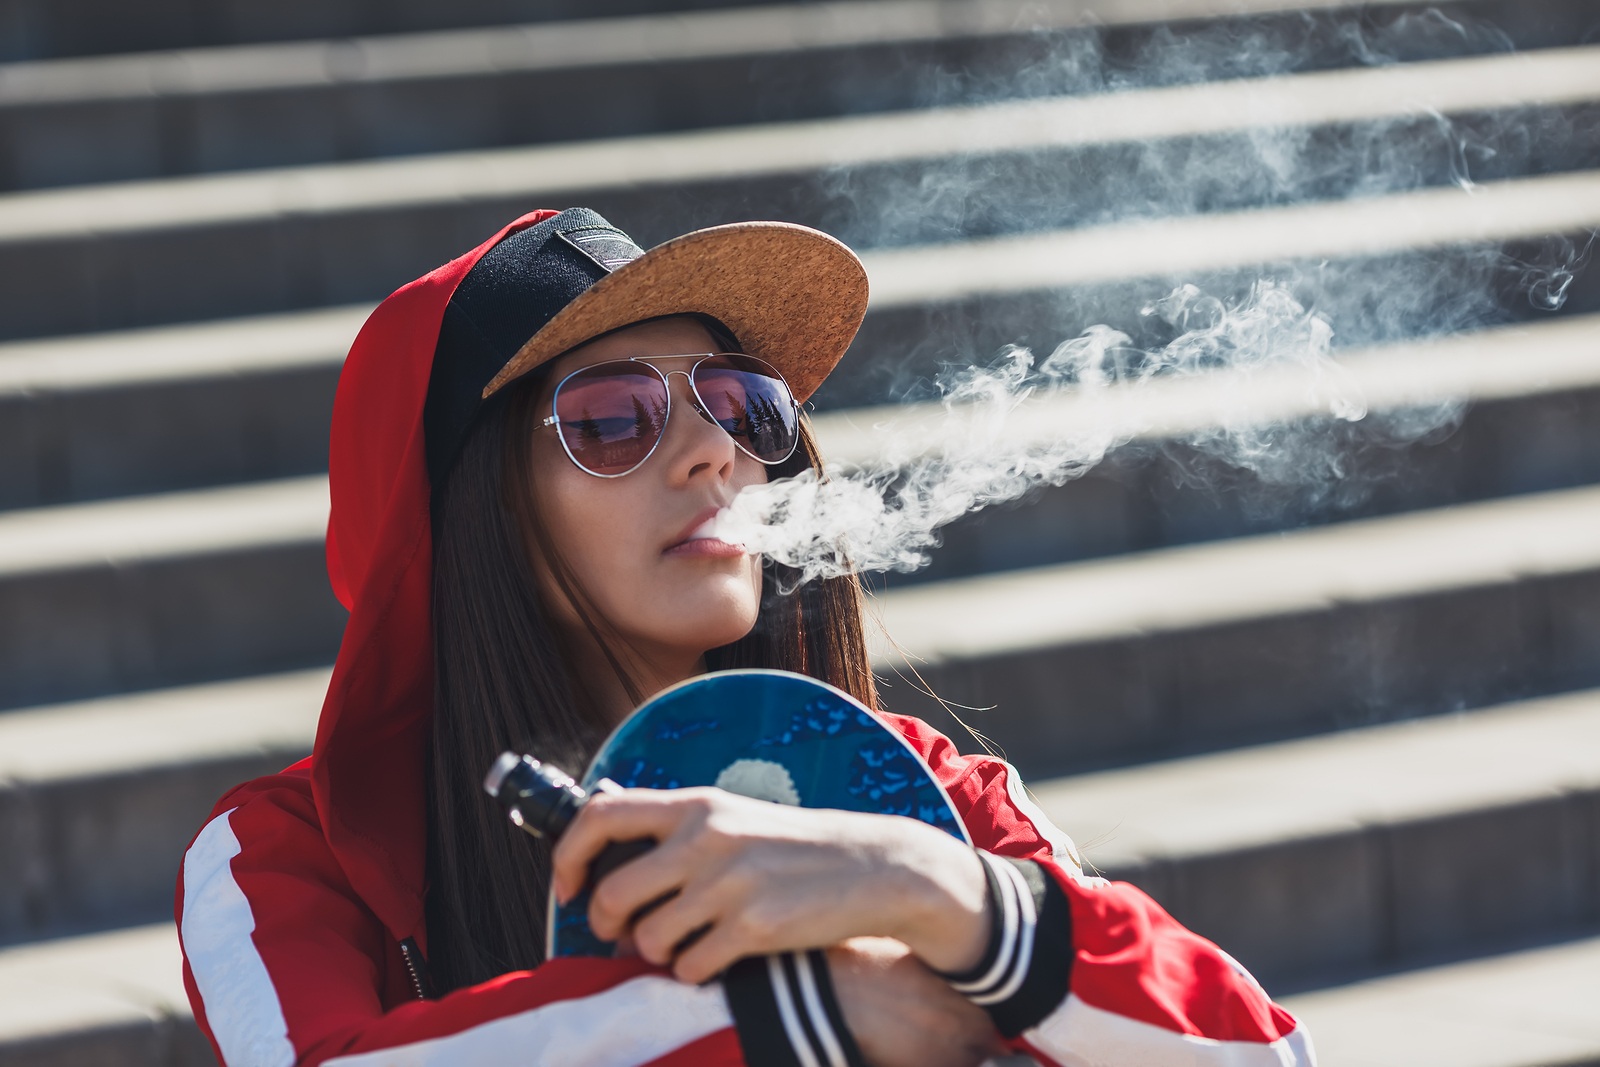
{"points": [[903, 1015], [746, 877]]}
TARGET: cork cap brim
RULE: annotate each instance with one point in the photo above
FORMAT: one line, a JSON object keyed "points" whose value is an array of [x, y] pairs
{"points": [[793, 296]]}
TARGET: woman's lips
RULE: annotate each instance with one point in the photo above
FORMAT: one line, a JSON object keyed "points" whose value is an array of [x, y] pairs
{"points": [[706, 548], [704, 541]]}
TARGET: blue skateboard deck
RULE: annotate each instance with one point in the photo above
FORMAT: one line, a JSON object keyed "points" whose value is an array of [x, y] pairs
{"points": [[767, 734]]}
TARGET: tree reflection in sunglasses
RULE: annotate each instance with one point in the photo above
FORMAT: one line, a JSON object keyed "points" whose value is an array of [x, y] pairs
{"points": [[648, 421], [759, 420]]}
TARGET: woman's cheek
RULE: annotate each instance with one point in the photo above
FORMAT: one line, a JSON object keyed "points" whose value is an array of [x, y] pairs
{"points": [[588, 530], [614, 569]]}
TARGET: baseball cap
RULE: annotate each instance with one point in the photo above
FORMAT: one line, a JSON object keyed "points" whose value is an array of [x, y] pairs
{"points": [[793, 296]]}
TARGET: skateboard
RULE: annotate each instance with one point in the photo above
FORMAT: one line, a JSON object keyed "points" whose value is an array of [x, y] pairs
{"points": [[772, 735]]}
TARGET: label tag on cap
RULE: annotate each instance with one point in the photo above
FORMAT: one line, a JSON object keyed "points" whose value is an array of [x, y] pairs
{"points": [[608, 248]]}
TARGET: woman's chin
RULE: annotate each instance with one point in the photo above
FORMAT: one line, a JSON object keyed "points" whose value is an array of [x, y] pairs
{"points": [[718, 597], [724, 633], [701, 627]]}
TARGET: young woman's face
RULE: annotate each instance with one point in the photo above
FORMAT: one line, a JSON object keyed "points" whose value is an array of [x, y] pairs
{"points": [[626, 539]]}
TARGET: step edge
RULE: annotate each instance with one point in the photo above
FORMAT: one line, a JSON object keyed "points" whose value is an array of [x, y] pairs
{"points": [[594, 42], [1159, 834], [788, 147], [1010, 602]]}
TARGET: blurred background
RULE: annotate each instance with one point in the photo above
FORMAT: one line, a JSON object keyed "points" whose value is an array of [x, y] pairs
{"points": [[1312, 672]]}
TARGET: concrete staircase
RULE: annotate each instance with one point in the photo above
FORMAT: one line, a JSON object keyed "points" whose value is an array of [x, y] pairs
{"points": [[1354, 737]]}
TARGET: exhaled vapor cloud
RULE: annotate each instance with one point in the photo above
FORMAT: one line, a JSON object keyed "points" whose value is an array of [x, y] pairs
{"points": [[1020, 424], [1217, 388]]}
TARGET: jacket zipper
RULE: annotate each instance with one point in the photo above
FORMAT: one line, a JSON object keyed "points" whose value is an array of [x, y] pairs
{"points": [[417, 968]]}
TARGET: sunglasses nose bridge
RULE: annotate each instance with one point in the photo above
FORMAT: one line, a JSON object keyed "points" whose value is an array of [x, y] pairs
{"points": [[691, 391]]}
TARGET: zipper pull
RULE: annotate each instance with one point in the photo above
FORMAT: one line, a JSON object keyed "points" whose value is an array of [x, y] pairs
{"points": [[417, 968]]}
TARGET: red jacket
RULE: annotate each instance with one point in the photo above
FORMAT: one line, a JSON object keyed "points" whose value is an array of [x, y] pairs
{"points": [[295, 897]]}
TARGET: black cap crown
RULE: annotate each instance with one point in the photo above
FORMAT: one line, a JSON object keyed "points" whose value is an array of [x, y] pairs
{"points": [[508, 296]]}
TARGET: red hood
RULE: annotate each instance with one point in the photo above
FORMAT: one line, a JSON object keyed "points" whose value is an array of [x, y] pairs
{"points": [[368, 766]]}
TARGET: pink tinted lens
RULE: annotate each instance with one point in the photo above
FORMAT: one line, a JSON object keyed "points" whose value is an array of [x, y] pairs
{"points": [[612, 415], [749, 398]]}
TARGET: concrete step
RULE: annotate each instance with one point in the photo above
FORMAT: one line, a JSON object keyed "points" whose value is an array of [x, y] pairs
{"points": [[1366, 850], [169, 408], [1380, 269], [1208, 646], [99, 799], [41, 28], [154, 591], [141, 116], [167, 251], [1534, 1008], [107, 1000], [934, 175]]}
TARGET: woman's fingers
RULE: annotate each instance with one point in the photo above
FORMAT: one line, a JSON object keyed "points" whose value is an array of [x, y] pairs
{"points": [[640, 887], [715, 951], [758, 877], [673, 926], [623, 816]]}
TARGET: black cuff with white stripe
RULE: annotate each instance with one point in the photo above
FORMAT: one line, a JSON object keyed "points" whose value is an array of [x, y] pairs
{"points": [[1025, 972], [786, 1013]]}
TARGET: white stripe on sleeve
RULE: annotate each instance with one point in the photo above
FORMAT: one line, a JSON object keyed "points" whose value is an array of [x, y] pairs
{"points": [[631, 1023], [1061, 846], [634, 1022], [1078, 1034], [1010, 928], [1028, 921], [240, 1002], [811, 996], [789, 1012]]}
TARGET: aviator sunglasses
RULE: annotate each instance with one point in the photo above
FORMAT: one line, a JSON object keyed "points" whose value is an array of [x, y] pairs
{"points": [[611, 415]]}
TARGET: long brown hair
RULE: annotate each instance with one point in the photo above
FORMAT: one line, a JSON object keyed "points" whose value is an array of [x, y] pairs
{"points": [[504, 681]]}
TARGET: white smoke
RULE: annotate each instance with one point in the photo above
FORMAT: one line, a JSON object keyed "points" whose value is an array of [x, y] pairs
{"points": [[1243, 382], [1006, 430]]}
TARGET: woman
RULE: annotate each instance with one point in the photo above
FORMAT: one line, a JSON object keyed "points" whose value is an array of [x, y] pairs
{"points": [[522, 565]]}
